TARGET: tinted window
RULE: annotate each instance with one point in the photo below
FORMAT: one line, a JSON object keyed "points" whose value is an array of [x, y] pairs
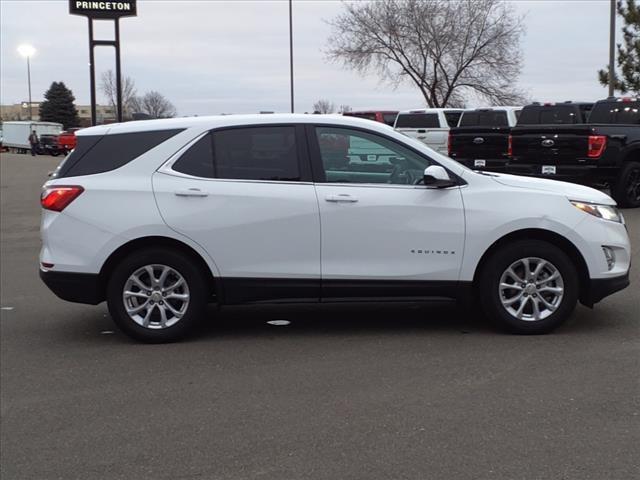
{"points": [[389, 118], [351, 156], [453, 118], [198, 160], [616, 112], [98, 154], [417, 120], [256, 153], [487, 118], [551, 115]]}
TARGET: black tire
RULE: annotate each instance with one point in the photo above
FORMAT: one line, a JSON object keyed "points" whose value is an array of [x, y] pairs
{"points": [[192, 274], [626, 189], [491, 297]]}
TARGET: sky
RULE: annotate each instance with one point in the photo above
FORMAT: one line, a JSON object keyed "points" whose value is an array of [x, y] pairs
{"points": [[214, 56]]}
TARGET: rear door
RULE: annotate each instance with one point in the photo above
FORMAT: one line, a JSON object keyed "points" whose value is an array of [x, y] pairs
{"points": [[245, 195]]}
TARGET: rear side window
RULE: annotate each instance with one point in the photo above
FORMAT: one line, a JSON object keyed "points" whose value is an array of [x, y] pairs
{"points": [[417, 120], [616, 112], [198, 160], [488, 118], [256, 153], [98, 154]]}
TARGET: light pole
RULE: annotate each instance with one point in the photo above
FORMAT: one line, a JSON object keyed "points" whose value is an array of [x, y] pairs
{"points": [[28, 51], [612, 47], [291, 50]]}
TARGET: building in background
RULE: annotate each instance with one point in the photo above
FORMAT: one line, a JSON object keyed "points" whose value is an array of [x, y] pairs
{"points": [[20, 111]]}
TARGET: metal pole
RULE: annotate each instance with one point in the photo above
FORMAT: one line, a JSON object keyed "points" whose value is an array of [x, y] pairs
{"points": [[92, 74], [118, 74], [291, 49], [612, 52], [29, 82]]}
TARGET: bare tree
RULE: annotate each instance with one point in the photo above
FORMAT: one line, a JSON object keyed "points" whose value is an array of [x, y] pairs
{"points": [[155, 105], [108, 88], [450, 50], [324, 106], [344, 109]]}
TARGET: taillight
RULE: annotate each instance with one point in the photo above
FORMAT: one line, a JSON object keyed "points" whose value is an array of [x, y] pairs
{"points": [[56, 198], [597, 144], [510, 146], [450, 144]]}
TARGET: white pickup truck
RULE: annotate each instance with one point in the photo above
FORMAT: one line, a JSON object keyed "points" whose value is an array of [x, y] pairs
{"points": [[429, 125]]}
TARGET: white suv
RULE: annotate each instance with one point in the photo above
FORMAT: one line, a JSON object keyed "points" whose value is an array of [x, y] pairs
{"points": [[429, 125], [160, 217]]}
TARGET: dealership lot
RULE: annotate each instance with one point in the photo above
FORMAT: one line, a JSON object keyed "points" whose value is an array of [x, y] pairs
{"points": [[364, 391]]}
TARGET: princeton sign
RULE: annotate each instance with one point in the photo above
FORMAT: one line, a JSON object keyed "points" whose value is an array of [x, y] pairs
{"points": [[101, 9]]}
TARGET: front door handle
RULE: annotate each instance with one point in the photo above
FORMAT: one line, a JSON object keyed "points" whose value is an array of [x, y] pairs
{"points": [[343, 197], [191, 192]]}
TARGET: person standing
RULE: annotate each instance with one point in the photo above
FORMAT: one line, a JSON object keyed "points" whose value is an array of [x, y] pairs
{"points": [[33, 141]]}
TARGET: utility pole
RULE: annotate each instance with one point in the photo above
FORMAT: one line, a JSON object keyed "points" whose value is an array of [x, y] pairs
{"points": [[291, 49], [612, 48]]}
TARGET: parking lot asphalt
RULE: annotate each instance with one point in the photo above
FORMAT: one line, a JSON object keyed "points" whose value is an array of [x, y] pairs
{"points": [[402, 391]]}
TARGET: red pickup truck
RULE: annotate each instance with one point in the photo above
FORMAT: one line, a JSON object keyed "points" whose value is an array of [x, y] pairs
{"points": [[67, 140]]}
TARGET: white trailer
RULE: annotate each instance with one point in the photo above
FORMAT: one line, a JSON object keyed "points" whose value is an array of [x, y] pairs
{"points": [[15, 135]]}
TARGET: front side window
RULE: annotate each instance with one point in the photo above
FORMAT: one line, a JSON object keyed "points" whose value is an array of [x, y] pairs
{"points": [[352, 156], [256, 153]]}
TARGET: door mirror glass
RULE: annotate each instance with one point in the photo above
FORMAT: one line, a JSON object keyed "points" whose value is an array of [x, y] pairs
{"points": [[436, 176]]}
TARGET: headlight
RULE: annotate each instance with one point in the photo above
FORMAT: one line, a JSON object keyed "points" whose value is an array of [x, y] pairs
{"points": [[606, 212]]}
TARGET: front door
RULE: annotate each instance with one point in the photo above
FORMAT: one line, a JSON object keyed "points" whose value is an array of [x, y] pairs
{"points": [[383, 233]]}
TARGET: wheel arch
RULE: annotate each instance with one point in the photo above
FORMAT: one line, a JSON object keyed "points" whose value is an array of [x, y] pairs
{"points": [[158, 241], [548, 236]]}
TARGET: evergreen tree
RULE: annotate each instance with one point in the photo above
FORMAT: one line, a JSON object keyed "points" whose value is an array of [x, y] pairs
{"points": [[628, 80], [58, 106]]}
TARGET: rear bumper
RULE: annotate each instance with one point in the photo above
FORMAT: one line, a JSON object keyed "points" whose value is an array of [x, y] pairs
{"points": [[585, 174], [600, 288], [497, 165], [74, 287]]}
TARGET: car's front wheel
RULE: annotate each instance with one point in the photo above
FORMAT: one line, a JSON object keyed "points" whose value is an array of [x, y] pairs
{"points": [[529, 287], [156, 295]]}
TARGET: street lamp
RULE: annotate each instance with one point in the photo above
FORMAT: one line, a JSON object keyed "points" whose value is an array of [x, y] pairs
{"points": [[28, 51]]}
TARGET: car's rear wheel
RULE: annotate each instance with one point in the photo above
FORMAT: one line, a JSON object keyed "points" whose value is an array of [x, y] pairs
{"points": [[529, 287], [626, 190], [156, 295]]}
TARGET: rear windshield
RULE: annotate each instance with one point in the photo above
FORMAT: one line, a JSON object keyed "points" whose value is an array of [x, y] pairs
{"points": [[616, 112], [103, 153], [488, 118], [417, 120], [389, 118], [552, 115], [453, 118]]}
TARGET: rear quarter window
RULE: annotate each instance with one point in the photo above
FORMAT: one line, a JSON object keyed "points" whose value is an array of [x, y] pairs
{"points": [[99, 154]]}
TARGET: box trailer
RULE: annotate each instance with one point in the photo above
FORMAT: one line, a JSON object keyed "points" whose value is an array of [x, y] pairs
{"points": [[15, 135]]}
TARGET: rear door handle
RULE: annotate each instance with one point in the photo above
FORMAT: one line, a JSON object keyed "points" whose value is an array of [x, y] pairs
{"points": [[343, 197], [191, 192]]}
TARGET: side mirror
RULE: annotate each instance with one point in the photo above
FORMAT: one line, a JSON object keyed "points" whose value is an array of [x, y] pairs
{"points": [[436, 176]]}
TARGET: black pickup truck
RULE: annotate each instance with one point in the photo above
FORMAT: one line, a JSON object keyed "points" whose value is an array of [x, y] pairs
{"points": [[480, 141], [605, 152]]}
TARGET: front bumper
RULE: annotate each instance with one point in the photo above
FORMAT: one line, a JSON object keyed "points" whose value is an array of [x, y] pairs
{"points": [[600, 288], [74, 287]]}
